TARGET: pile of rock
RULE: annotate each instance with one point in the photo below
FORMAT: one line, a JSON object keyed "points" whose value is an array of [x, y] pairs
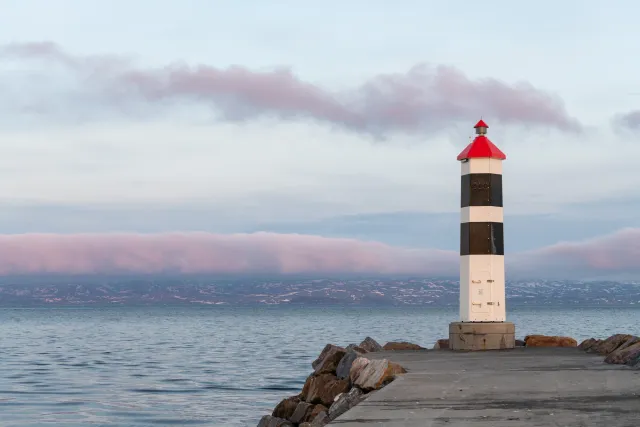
{"points": [[619, 349], [342, 377]]}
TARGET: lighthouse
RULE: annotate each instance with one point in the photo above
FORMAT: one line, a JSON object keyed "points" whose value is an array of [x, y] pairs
{"points": [[482, 324]]}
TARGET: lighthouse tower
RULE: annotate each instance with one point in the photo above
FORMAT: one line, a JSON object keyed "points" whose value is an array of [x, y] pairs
{"points": [[482, 324]]}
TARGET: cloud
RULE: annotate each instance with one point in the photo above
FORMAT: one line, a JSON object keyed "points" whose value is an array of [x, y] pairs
{"points": [[629, 120], [609, 256], [424, 99], [212, 253]]}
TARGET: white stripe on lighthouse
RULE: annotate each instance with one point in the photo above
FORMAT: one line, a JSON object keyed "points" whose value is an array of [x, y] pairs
{"points": [[476, 291], [482, 166], [481, 214]]}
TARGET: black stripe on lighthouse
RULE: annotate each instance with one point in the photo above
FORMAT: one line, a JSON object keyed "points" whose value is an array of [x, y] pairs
{"points": [[481, 189], [481, 238]]}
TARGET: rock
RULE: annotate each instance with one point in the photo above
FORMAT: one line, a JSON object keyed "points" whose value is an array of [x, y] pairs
{"points": [[285, 408], [610, 344], [376, 374], [344, 402], [401, 345], [633, 358], [306, 412], [520, 343], [305, 425], [441, 344], [344, 367], [549, 341], [321, 420], [330, 361], [588, 343], [369, 345], [327, 348], [357, 366], [300, 415], [356, 348], [271, 421], [317, 410], [323, 389], [631, 341], [626, 351]]}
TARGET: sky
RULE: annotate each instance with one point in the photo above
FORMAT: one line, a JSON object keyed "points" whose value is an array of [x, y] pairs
{"points": [[314, 137]]}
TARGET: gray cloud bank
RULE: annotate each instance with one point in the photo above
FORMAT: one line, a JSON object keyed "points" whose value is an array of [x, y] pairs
{"points": [[422, 100], [611, 255], [629, 120]]}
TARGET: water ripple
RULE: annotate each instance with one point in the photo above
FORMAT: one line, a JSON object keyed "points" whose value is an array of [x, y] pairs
{"points": [[216, 366]]}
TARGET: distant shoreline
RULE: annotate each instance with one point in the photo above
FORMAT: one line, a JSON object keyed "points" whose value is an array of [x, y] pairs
{"points": [[347, 293]]}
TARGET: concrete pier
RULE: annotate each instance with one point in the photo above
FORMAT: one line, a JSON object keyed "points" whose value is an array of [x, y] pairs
{"points": [[511, 388]]}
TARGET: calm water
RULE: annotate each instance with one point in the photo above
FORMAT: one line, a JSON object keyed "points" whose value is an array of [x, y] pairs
{"points": [[206, 366]]}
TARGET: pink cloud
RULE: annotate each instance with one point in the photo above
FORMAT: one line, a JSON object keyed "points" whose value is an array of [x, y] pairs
{"points": [[420, 100], [604, 256], [212, 253]]}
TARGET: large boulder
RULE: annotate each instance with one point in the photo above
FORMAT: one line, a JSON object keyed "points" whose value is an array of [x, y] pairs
{"points": [[285, 408], [401, 345], [441, 344], [357, 366], [329, 361], [631, 341], [375, 374], [549, 341], [609, 345], [355, 348], [306, 412], [317, 410], [327, 348], [301, 412], [369, 345], [271, 421], [588, 343], [633, 358], [321, 420], [344, 367], [344, 402], [323, 389], [626, 351]]}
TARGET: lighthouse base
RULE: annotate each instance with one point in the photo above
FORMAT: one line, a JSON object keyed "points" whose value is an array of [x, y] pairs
{"points": [[474, 336]]}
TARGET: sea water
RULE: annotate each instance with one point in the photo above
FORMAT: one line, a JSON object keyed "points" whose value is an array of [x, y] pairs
{"points": [[214, 366]]}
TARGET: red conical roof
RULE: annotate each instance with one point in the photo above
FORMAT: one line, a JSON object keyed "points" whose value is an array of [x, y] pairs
{"points": [[480, 124], [481, 147]]}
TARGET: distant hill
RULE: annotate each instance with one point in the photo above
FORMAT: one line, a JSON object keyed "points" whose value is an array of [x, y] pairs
{"points": [[254, 292]]}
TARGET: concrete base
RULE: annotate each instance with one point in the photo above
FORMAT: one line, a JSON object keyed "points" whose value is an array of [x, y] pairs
{"points": [[472, 336]]}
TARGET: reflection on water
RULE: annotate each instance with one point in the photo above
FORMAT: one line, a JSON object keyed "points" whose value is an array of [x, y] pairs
{"points": [[216, 366]]}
